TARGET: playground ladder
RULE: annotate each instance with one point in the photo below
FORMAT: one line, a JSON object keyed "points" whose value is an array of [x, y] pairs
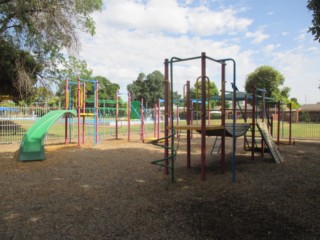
{"points": [[247, 138], [216, 145]]}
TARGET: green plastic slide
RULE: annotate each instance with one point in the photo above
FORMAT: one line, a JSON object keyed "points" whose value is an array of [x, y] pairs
{"points": [[32, 144]]}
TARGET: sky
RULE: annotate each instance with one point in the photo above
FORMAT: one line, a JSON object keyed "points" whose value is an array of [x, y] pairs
{"points": [[134, 36]]}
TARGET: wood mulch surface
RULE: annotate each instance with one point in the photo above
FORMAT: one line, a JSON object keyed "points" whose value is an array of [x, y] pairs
{"points": [[111, 191]]}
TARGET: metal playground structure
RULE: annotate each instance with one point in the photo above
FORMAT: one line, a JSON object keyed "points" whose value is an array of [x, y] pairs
{"points": [[205, 128], [76, 105]]}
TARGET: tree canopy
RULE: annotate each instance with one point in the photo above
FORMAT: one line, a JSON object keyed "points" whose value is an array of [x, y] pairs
{"points": [[18, 70], [43, 29], [195, 92], [270, 79], [213, 90], [149, 87], [314, 7], [78, 68]]}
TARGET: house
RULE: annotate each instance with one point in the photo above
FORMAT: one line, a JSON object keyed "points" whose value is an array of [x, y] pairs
{"points": [[310, 113]]}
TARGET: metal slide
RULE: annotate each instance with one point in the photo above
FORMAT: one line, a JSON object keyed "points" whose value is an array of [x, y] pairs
{"points": [[32, 144], [270, 143]]}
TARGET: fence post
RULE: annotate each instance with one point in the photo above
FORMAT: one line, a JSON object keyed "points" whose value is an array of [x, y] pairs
{"points": [[290, 123]]}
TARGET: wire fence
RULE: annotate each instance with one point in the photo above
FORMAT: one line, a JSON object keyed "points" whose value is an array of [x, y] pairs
{"points": [[14, 122]]}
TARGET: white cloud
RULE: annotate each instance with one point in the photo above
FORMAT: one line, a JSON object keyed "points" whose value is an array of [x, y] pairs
{"points": [[169, 16], [121, 55], [300, 73], [131, 44], [257, 37], [156, 15], [206, 22], [301, 37], [129, 41], [270, 48]]}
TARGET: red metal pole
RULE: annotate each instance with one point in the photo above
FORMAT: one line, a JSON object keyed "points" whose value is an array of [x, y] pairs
{"points": [[117, 112], [129, 115], [78, 109], [203, 116], [142, 122], [158, 114], [245, 119], [66, 116], [166, 114], [208, 96], [83, 110], [223, 118], [96, 105], [155, 120], [188, 116], [278, 130], [290, 124], [253, 122], [84, 97]]}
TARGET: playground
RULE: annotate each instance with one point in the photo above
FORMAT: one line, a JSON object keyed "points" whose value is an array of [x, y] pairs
{"points": [[225, 178], [111, 191]]}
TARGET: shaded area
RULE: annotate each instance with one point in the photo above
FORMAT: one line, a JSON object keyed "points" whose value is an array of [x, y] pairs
{"points": [[229, 218]]}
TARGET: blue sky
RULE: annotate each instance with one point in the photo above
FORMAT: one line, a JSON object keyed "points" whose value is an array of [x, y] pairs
{"points": [[136, 36]]}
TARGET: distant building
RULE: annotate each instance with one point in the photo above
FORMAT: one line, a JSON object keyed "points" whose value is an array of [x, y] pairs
{"points": [[310, 113]]}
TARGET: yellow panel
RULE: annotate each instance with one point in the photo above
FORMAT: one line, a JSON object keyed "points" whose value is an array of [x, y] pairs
{"points": [[86, 114]]}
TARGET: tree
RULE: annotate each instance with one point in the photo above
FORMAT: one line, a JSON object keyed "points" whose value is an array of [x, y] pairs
{"points": [[73, 68], [137, 88], [314, 6], [42, 95], [195, 93], [268, 78], [76, 68], [18, 71], [149, 87], [107, 89], [213, 90], [44, 28], [294, 103], [176, 96]]}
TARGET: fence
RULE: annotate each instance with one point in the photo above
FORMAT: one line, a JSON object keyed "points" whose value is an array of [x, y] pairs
{"points": [[14, 122]]}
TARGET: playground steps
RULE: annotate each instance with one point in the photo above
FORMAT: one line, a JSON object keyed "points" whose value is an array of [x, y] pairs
{"points": [[265, 134], [248, 136]]}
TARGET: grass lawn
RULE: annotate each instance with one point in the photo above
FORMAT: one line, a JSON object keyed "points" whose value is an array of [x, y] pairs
{"points": [[13, 130]]}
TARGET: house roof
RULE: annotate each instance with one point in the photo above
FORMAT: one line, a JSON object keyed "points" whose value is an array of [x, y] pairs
{"points": [[310, 107]]}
